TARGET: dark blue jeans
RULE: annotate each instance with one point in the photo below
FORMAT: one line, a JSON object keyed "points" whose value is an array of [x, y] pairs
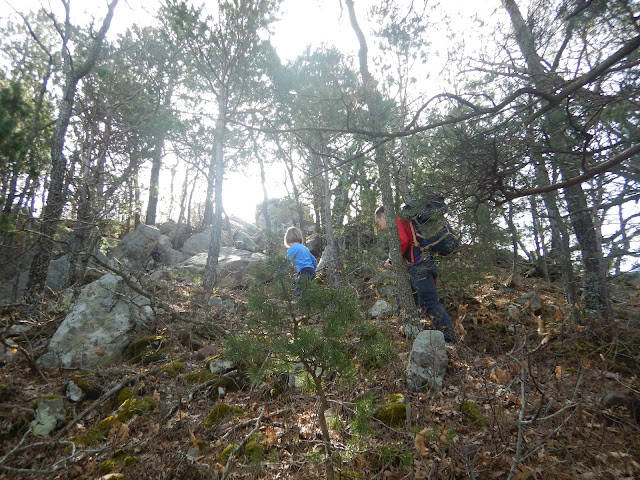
{"points": [[306, 274], [424, 290]]}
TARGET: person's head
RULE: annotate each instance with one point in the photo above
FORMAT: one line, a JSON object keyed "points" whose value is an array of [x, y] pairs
{"points": [[293, 235], [381, 218]]}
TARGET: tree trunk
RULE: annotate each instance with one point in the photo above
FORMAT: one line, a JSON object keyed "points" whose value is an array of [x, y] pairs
{"points": [[58, 185], [208, 217], [332, 247], [559, 230], [594, 280], [538, 238], [322, 419], [210, 278], [372, 98], [154, 181]]}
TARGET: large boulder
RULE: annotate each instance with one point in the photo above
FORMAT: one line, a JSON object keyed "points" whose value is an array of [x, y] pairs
{"points": [[178, 233], [99, 326], [427, 361], [50, 414], [197, 243], [233, 266], [136, 246], [165, 254]]}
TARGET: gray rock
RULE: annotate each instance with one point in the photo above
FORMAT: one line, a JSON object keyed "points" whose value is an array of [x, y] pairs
{"points": [[630, 279], [197, 243], [8, 351], [74, 392], [99, 326], [136, 246], [234, 266], [531, 299], [427, 361], [219, 367], [242, 241], [50, 414], [166, 254], [381, 307]]}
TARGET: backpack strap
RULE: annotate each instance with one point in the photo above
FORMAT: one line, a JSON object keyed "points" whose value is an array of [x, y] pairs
{"points": [[416, 243]]}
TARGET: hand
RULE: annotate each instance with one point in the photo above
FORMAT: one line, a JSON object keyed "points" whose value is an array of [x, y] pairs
{"points": [[387, 265]]}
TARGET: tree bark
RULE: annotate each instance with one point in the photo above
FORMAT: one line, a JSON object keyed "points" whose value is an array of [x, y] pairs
{"points": [[372, 97], [56, 198], [210, 278], [154, 181], [595, 279]]}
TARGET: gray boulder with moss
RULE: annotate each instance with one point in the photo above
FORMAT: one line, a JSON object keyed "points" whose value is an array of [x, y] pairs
{"points": [[427, 361], [50, 414], [100, 324], [136, 246]]}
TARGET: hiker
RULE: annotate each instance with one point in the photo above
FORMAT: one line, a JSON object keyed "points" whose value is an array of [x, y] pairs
{"points": [[300, 255], [423, 272]]}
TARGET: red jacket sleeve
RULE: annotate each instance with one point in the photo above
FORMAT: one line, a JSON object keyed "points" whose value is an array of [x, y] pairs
{"points": [[404, 230]]}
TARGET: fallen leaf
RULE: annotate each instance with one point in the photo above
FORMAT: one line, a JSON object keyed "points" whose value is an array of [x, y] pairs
{"points": [[419, 441], [558, 371]]}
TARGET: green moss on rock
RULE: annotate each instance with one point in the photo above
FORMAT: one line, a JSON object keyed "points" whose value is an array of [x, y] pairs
{"points": [[130, 461], [221, 412], [135, 406], [226, 453], [254, 449], [146, 350], [91, 392], [174, 368], [98, 433], [198, 377], [107, 467], [472, 412], [125, 394], [394, 412]]}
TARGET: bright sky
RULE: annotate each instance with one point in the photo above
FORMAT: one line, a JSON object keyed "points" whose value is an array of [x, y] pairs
{"points": [[303, 22]]}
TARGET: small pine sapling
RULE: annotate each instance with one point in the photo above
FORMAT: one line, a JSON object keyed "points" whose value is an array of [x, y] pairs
{"points": [[320, 331]]}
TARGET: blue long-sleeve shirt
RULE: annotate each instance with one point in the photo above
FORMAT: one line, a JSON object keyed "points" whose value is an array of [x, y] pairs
{"points": [[301, 257]]}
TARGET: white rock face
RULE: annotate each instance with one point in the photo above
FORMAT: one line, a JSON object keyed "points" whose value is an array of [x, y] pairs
{"points": [[99, 326]]}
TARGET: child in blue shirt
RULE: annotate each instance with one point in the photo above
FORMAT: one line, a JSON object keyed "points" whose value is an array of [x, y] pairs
{"points": [[300, 255]]}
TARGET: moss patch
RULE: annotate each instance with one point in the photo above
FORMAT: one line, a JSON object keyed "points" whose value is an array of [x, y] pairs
{"points": [[174, 368], [221, 412], [98, 433], [198, 377], [254, 449], [135, 406], [91, 392], [394, 412], [125, 394], [472, 412], [226, 453], [107, 467], [146, 350]]}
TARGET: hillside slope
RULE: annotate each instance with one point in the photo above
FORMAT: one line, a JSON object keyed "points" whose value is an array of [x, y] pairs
{"points": [[527, 395]]}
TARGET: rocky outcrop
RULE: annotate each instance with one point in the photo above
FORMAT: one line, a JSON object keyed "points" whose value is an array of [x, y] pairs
{"points": [[99, 326], [233, 266]]}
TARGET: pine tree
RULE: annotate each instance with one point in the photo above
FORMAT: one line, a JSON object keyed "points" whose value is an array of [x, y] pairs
{"points": [[315, 328]]}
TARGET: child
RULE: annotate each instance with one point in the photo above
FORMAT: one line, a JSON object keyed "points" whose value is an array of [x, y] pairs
{"points": [[302, 258]]}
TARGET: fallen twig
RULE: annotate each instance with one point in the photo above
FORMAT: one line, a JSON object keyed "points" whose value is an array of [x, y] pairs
{"points": [[241, 445]]}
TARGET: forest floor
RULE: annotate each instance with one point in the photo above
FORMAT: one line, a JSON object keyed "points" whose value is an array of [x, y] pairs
{"points": [[525, 396]]}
